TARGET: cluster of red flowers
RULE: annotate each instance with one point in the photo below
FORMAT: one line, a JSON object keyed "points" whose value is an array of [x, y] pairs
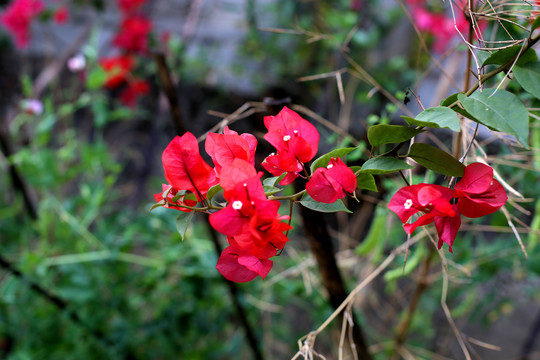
{"points": [[477, 194], [131, 39], [19, 15], [255, 230]]}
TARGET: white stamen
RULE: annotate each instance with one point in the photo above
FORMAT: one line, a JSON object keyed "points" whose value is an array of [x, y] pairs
{"points": [[408, 204], [286, 138], [237, 205]]}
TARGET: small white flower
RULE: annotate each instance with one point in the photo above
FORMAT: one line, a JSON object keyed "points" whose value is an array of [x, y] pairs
{"points": [[408, 204], [295, 132], [237, 205], [76, 63], [330, 166], [32, 106], [286, 138]]}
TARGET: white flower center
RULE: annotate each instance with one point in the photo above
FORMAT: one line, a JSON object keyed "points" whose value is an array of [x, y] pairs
{"points": [[408, 204], [237, 205], [286, 138]]}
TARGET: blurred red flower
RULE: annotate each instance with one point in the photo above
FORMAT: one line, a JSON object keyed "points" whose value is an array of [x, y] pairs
{"points": [[18, 17]]}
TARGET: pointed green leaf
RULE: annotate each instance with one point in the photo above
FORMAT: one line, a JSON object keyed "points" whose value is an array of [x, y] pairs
{"points": [[273, 181], [271, 190], [435, 159], [376, 235], [500, 111], [323, 160], [535, 24], [390, 134], [501, 57], [213, 191], [528, 76], [312, 204], [436, 117], [366, 182], [182, 223], [158, 204], [383, 165]]}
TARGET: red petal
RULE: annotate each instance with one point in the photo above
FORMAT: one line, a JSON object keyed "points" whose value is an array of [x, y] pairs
{"points": [[260, 266], [238, 171], [229, 221], [478, 205], [229, 267], [421, 221], [447, 228], [184, 167], [224, 148], [323, 188], [343, 175], [476, 179]]}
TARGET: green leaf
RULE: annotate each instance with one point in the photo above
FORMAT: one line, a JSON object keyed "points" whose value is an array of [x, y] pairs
{"points": [[499, 110], [182, 222], [412, 262], [436, 117], [271, 190], [273, 181], [323, 160], [503, 56], [435, 159], [96, 78], [312, 204], [383, 165], [366, 182], [528, 76], [213, 191], [457, 108], [158, 204], [376, 235], [389, 134], [535, 24]]}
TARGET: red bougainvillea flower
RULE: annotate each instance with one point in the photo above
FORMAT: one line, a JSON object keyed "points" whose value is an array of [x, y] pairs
{"points": [[129, 6], [133, 35], [117, 69], [241, 266], [250, 221], [134, 89], [244, 192], [61, 15], [478, 193], [332, 182], [184, 167], [434, 202], [296, 141], [224, 148], [18, 17], [175, 198], [265, 233]]}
